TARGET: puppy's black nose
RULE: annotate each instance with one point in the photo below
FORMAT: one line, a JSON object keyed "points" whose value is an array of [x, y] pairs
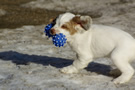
{"points": [[52, 31]]}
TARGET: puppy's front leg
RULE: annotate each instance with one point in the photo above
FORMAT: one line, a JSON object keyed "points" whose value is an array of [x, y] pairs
{"points": [[69, 69], [81, 62]]}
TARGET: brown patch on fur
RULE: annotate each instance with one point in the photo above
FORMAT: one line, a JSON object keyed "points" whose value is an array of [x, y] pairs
{"points": [[70, 26], [77, 20], [51, 20]]}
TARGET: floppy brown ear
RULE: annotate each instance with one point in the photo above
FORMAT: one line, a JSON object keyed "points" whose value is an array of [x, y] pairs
{"points": [[53, 20], [84, 21]]}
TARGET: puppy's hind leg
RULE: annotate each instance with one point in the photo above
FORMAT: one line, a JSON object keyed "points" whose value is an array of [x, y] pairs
{"points": [[121, 62]]}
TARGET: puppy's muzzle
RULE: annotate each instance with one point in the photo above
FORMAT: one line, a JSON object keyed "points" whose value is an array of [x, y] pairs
{"points": [[52, 31]]}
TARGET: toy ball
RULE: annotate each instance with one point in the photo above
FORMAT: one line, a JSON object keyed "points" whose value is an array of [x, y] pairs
{"points": [[47, 30], [57, 39]]}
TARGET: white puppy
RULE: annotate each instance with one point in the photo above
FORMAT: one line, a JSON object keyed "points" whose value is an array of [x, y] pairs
{"points": [[94, 41]]}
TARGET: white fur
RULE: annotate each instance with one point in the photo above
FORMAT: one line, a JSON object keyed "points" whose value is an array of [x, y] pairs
{"points": [[100, 41]]}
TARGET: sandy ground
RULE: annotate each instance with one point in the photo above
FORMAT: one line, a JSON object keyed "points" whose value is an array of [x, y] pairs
{"points": [[29, 61]]}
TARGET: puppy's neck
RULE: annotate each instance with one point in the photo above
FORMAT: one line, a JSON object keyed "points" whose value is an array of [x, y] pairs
{"points": [[72, 41], [78, 38]]}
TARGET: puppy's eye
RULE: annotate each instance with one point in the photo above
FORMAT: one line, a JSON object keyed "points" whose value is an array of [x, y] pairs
{"points": [[64, 27]]}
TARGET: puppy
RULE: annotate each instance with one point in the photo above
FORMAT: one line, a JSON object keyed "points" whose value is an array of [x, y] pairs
{"points": [[91, 41]]}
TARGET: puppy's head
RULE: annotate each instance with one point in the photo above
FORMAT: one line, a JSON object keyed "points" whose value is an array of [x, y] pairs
{"points": [[70, 24]]}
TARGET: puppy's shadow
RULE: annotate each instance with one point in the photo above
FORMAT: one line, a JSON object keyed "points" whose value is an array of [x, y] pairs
{"points": [[25, 59], [99, 68]]}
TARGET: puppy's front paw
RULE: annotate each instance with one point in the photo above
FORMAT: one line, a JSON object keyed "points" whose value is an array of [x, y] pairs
{"points": [[120, 80], [69, 70]]}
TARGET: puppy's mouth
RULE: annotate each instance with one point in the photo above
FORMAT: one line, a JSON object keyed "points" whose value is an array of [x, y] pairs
{"points": [[53, 31]]}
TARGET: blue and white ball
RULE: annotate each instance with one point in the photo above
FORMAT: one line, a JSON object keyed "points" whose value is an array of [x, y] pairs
{"points": [[47, 30], [58, 39]]}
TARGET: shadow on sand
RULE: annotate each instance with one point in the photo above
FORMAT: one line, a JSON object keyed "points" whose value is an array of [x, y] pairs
{"points": [[25, 59]]}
